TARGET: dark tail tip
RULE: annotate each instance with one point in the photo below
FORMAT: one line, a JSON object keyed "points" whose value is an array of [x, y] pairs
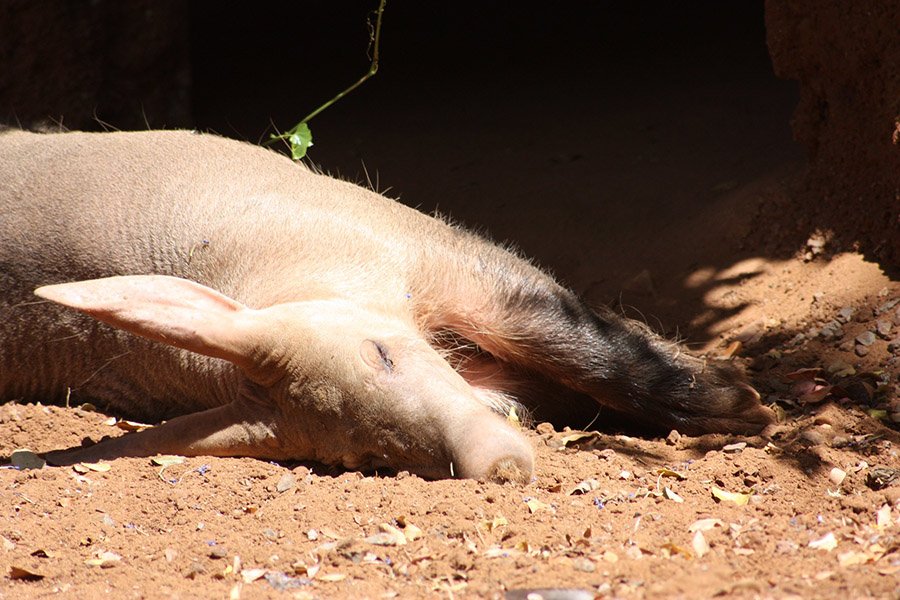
{"points": [[722, 401]]}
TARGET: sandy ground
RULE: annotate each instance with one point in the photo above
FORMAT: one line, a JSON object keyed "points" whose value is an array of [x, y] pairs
{"points": [[662, 194]]}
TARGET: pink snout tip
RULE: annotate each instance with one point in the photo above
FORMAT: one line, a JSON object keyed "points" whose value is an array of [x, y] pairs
{"points": [[493, 451]]}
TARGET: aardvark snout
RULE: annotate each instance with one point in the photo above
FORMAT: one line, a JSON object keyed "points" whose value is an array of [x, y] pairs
{"points": [[487, 447]]}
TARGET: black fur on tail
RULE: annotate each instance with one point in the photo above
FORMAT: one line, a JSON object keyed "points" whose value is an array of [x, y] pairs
{"points": [[527, 320], [625, 366]]}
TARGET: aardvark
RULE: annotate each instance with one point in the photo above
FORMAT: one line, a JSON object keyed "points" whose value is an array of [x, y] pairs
{"points": [[269, 311]]}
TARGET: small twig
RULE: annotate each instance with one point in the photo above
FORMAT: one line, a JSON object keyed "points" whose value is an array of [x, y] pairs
{"points": [[300, 137]]}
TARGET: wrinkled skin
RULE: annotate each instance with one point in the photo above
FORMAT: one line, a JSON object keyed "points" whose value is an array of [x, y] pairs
{"points": [[269, 311]]}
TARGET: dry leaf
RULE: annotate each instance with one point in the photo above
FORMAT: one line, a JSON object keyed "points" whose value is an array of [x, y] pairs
{"points": [[676, 549], [166, 460], [722, 495], [398, 535], [104, 560], [97, 467], [584, 487], [668, 493], [883, 517], [578, 436], [810, 392], [827, 542], [388, 536], [851, 558], [23, 574], [512, 417], [412, 532], [670, 473], [732, 350], [803, 374], [132, 425], [699, 544], [313, 570], [705, 524], [330, 533], [499, 521], [251, 575], [535, 505]]}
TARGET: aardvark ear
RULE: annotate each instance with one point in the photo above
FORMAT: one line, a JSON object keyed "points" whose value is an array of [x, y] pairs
{"points": [[167, 309]]}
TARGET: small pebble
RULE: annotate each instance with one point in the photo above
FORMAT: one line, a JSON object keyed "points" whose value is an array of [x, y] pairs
{"points": [[734, 448], [813, 437], [786, 547], [839, 368], [831, 330], [883, 328], [800, 338], [845, 314], [195, 570], [673, 438], [286, 482], [866, 338], [585, 565], [861, 350], [837, 476], [544, 428], [218, 552], [886, 306]]}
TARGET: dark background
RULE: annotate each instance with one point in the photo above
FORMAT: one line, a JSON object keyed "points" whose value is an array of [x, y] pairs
{"points": [[612, 141]]}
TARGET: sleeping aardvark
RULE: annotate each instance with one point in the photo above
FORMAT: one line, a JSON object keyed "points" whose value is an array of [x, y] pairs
{"points": [[269, 311]]}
